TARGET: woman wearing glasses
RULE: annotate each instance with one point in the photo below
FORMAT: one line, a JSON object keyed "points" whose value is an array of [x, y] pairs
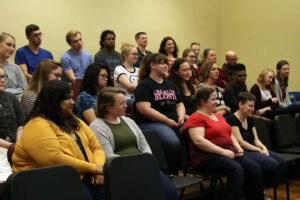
{"points": [[96, 78], [126, 75], [45, 71]]}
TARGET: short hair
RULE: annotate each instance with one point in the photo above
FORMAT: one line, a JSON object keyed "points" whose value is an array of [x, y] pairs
{"points": [[186, 52], [205, 70], [163, 44], [90, 80], [243, 97], [261, 80], [282, 83], [194, 43], [70, 34], [107, 98], [4, 35], [145, 68], [125, 49], [48, 102], [30, 28], [238, 67], [203, 94], [137, 36], [103, 36]]}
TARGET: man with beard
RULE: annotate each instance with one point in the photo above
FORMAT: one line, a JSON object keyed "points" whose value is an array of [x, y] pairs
{"points": [[76, 59], [142, 41], [107, 54], [29, 56]]}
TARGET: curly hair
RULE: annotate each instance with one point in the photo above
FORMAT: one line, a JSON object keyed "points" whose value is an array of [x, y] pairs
{"points": [[163, 44]]}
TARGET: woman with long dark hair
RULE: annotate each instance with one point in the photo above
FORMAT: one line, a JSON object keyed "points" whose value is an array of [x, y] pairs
{"points": [[168, 47]]}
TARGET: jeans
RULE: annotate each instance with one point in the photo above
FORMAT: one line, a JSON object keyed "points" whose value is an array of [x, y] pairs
{"points": [[170, 143], [91, 192], [241, 172], [169, 189]]}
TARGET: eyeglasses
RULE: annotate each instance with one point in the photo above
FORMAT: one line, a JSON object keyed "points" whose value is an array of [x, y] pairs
{"points": [[57, 75], [3, 76], [103, 76], [135, 54]]}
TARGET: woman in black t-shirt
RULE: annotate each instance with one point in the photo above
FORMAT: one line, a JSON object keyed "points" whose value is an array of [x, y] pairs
{"points": [[159, 106], [243, 129]]}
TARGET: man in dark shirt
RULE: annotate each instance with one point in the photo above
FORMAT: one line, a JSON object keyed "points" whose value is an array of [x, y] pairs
{"points": [[237, 85], [231, 60], [142, 42]]}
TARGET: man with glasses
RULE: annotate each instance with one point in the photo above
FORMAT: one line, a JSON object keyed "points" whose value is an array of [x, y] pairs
{"points": [[237, 85], [29, 56], [142, 42], [107, 54], [76, 59], [231, 60]]}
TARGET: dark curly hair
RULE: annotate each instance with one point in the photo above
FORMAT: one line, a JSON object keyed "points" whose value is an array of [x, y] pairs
{"points": [[163, 44]]}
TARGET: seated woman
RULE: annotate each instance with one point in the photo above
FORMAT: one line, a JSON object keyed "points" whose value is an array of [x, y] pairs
{"points": [[190, 56], [96, 78], [159, 106], [5, 169], [168, 47], [281, 88], [126, 75], [12, 117], [214, 149], [180, 75], [16, 82], [45, 71], [64, 139], [208, 76], [119, 135], [271, 164]]}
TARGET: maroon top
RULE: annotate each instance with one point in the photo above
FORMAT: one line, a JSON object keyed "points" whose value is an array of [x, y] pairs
{"points": [[217, 132], [262, 104]]}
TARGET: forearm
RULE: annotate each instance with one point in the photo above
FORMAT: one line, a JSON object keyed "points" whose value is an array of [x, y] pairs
{"points": [[19, 132], [4, 143], [209, 147], [180, 109], [70, 75], [154, 115]]}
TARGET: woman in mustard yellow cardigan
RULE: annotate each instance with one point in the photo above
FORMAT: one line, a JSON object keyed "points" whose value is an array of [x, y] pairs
{"points": [[54, 136]]}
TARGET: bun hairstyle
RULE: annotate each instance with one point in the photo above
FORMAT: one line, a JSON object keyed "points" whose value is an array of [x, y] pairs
{"points": [[125, 49], [202, 94]]}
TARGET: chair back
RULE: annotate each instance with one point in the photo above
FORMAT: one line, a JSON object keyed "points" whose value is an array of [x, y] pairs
{"points": [[76, 84], [263, 132], [297, 122], [184, 149], [285, 131], [133, 177], [59, 182], [155, 144]]}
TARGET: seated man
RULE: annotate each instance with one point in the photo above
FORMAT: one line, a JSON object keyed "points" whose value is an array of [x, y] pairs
{"points": [[76, 59], [237, 85], [142, 41], [29, 56], [107, 54], [231, 60]]}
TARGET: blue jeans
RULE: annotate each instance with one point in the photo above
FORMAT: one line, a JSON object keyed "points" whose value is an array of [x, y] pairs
{"points": [[293, 108], [273, 166], [242, 174], [91, 192], [169, 189], [170, 143]]}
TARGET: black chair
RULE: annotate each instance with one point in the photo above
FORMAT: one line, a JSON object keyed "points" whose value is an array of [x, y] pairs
{"points": [[285, 134], [297, 123], [133, 177], [264, 136], [59, 182], [187, 169], [181, 182]]}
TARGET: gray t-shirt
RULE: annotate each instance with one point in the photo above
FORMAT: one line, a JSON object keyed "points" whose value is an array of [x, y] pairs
{"points": [[111, 60]]}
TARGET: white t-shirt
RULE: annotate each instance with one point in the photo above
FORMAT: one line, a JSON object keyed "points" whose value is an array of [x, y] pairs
{"points": [[5, 169], [265, 94], [132, 76]]}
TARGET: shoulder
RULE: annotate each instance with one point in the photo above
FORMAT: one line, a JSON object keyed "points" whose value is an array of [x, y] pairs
{"points": [[232, 120], [22, 49], [85, 53], [44, 51]]}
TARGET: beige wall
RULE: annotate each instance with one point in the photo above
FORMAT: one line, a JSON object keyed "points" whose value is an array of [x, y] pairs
{"points": [[261, 31]]}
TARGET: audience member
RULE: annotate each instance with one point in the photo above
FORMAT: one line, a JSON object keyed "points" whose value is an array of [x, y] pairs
{"points": [[30, 55], [208, 76], [180, 75], [237, 85], [46, 70], [107, 54], [5, 168], [214, 149], [12, 116], [142, 42], [281, 88], [96, 78], [119, 135], [210, 54], [64, 139], [159, 106], [190, 56], [231, 60], [196, 47], [271, 165], [76, 59], [126, 75], [168, 47], [16, 82]]}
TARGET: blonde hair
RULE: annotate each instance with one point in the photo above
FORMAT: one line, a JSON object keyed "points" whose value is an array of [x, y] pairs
{"points": [[4, 35], [70, 34], [125, 49], [261, 80]]}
